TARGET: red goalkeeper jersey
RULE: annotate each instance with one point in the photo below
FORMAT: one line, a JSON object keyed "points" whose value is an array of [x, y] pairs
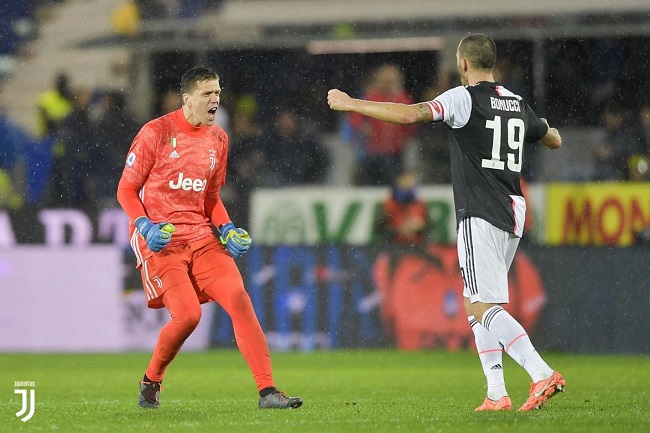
{"points": [[178, 170]]}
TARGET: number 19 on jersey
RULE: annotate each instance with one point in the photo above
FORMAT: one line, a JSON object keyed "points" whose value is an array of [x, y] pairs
{"points": [[514, 140]]}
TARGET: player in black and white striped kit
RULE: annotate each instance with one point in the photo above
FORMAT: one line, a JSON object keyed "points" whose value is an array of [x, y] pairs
{"points": [[489, 125]]}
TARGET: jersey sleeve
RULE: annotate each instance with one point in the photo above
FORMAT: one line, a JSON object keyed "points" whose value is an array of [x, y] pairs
{"points": [[536, 127], [215, 210], [452, 107], [142, 154], [127, 197], [139, 162]]}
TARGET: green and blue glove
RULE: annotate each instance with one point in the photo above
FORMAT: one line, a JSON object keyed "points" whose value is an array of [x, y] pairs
{"points": [[156, 235], [236, 240]]}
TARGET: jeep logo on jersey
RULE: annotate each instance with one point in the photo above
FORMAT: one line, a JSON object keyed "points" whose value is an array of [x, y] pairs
{"points": [[187, 184]]}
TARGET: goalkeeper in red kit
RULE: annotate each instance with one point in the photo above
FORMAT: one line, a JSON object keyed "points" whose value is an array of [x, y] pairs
{"points": [[170, 191]]}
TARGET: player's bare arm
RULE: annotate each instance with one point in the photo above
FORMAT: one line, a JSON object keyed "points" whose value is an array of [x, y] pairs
{"points": [[402, 114], [424, 113], [552, 139]]}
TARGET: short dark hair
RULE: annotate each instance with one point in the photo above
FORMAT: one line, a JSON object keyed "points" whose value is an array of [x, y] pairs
{"points": [[195, 75], [479, 50]]}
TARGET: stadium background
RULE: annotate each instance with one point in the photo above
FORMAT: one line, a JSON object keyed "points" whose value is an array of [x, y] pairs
{"points": [[323, 282]]}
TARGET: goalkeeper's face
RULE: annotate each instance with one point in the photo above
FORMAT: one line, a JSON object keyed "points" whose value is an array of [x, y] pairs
{"points": [[201, 103]]}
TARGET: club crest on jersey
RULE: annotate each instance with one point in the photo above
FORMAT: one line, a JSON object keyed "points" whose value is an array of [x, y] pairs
{"points": [[174, 154], [213, 158], [130, 159]]}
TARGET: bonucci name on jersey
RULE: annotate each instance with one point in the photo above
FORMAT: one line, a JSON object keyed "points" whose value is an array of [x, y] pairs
{"points": [[489, 127]]}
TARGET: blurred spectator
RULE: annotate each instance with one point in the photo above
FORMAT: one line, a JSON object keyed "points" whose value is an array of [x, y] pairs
{"points": [[565, 76], [113, 134], [435, 163], [619, 144], [54, 106], [638, 163], [644, 129], [76, 131], [13, 142], [247, 158], [639, 168], [170, 101], [383, 142], [10, 143], [405, 218], [513, 76], [609, 55], [298, 158]]}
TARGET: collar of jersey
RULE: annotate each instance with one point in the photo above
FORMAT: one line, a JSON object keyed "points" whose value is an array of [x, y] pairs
{"points": [[184, 125]]}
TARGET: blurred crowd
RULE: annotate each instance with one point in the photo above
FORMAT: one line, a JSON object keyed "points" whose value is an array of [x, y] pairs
{"points": [[77, 156], [84, 134]]}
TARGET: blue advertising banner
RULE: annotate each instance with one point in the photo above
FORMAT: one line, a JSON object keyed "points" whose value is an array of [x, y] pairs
{"points": [[339, 296], [580, 300]]}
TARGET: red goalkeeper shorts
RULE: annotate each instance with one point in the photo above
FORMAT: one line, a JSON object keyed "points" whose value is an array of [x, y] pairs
{"points": [[197, 263]]}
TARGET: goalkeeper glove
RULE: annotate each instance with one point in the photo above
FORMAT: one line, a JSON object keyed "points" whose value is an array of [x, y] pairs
{"points": [[156, 235], [236, 240]]}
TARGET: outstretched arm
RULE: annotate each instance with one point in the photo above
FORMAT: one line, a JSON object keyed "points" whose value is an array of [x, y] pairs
{"points": [[552, 139], [403, 114]]}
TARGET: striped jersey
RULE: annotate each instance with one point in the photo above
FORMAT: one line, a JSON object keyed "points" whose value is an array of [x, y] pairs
{"points": [[489, 127]]}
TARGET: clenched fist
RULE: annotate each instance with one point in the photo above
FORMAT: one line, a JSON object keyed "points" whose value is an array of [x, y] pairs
{"points": [[339, 101]]}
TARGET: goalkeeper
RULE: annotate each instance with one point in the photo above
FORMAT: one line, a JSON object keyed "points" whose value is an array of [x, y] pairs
{"points": [[170, 191]]}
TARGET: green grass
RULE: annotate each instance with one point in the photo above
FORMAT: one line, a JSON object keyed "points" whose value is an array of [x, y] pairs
{"points": [[344, 391]]}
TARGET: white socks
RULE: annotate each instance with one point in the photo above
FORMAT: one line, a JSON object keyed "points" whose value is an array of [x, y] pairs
{"points": [[490, 354], [515, 342]]}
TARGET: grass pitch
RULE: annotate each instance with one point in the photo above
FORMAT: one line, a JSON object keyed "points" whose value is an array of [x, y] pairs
{"points": [[344, 391]]}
